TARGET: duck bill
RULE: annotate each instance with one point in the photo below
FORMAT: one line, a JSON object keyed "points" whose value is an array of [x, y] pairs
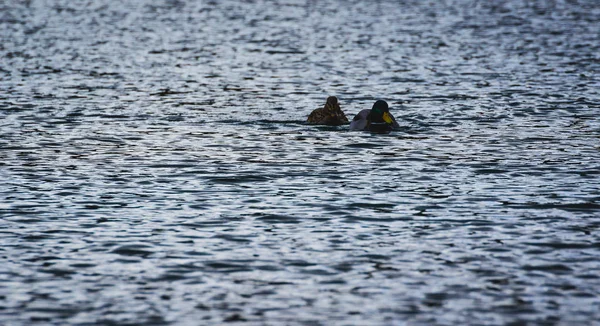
{"points": [[387, 118]]}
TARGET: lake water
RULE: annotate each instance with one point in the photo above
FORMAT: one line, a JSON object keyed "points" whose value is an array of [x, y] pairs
{"points": [[155, 167]]}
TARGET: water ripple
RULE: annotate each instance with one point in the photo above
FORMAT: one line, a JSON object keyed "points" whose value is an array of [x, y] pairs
{"points": [[156, 167]]}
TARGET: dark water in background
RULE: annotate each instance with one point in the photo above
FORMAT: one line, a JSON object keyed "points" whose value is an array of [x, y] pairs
{"points": [[155, 168]]}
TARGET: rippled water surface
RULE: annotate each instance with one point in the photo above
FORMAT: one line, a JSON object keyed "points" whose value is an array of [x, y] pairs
{"points": [[155, 167]]}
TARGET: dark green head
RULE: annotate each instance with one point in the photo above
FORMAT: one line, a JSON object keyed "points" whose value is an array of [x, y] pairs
{"points": [[380, 113]]}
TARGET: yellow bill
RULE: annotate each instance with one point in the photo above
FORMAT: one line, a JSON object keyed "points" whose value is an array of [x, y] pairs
{"points": [[387, 118]]}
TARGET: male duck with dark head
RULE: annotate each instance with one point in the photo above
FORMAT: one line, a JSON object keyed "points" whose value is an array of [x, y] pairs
{"points": [[376, 120], [331, 114]]}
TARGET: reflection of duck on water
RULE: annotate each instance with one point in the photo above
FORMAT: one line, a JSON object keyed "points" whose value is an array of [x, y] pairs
{"points": [[331, 114], [378, 119]]}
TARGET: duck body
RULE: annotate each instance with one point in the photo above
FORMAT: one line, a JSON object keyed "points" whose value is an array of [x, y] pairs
{"points": [[376, 120], [330, 114], [360, 121]]}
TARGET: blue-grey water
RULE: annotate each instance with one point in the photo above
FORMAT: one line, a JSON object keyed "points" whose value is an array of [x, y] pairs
{"points": [[155, 167]]}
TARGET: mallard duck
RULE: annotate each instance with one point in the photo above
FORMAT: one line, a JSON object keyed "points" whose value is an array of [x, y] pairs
{"points": [[331, 114], [378, 119]]}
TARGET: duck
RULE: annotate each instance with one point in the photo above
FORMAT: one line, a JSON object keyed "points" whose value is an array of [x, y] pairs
{"points": [[377, 120], [330, 114]]}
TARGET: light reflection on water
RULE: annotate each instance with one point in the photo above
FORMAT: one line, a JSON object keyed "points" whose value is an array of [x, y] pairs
{"points": [[156, 166]]}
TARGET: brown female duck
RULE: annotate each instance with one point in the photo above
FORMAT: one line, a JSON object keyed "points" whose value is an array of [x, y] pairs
{"points": [[331, 114]]}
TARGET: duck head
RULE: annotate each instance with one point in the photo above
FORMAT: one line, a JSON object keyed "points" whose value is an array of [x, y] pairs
{"points": [[380, 113], [332, 105]]}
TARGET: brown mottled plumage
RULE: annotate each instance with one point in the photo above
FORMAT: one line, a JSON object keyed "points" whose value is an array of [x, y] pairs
{"points": [[330, 114]]}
